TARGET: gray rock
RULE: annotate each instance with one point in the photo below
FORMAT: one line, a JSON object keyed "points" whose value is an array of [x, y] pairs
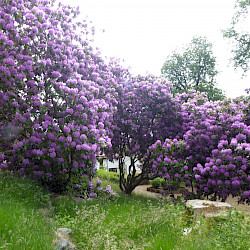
{"points": [[65, 230], [208, 208], [62, 240], [63, 245]]}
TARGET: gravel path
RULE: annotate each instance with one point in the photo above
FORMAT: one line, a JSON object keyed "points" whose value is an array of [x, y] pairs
{"points": [[142, 190]]}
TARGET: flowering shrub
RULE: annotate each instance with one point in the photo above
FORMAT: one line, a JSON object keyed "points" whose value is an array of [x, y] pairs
{"points": [[54, 117], [227, 171], [206, 123], [217, 137], [214, 154], [82, 187], [146, 111], [169, 162]]}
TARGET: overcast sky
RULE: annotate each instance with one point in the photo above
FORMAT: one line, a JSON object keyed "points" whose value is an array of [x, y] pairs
{"points": [[144, 32]]}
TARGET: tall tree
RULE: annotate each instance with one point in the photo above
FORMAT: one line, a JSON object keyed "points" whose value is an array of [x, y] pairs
{"points": [[239, 38], [193, 68]]}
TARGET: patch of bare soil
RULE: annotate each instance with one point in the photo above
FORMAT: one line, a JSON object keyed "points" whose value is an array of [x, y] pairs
{"points": [[142, 190]]}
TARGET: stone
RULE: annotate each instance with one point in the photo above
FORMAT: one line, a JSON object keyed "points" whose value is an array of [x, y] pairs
{"points": [[63, 245], [62, 239], [208, 208], [65, 230]]}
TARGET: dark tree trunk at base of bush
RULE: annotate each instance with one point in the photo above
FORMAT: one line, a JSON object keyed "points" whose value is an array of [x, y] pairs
{"points": [[132, 180]]}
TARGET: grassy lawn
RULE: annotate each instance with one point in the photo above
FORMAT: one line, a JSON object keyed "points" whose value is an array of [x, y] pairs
{"points": [[121, 222]]}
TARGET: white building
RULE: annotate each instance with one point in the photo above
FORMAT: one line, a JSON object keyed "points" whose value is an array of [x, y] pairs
{"points": [[114, 166]]}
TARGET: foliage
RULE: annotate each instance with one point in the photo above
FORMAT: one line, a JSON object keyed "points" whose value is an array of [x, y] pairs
{"points": [[61, 105], [54, 116], [239, 38], [212, 92], [227, 232], [194, 68], [123, 221], [156, 183], [145, 112], [106, 175]]}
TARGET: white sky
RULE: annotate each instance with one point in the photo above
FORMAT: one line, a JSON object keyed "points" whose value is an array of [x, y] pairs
{"points": [[144, 32]]}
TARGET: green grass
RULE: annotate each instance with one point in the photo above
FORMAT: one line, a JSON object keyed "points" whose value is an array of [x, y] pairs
{"points": [[22, 225], [109, 176], [128, 222], [228, 232], [114, 185], [121, 222]]}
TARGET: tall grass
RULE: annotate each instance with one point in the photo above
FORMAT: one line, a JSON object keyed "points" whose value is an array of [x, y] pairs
{"points": [[119, 222], [123, 223], [22, 225], [134, 222]]}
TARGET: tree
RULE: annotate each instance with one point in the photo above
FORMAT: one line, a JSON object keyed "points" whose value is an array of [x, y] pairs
{"points": [[194, 68], [54, 117], [239, 38], [145, 113]]}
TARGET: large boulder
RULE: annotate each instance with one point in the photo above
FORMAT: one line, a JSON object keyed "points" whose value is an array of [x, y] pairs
{"points": [[208, 208]]}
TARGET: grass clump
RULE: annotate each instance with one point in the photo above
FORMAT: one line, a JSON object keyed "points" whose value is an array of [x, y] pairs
{"points": [[156, 183], [109, 176]]}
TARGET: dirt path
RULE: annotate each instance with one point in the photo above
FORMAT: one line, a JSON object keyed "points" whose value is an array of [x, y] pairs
{"points": [[142, 190]]}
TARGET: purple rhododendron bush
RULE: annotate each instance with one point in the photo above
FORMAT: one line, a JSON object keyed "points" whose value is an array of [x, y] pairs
{"points": [[61, 105], [54, 117], [146, 111], [214, 155]]}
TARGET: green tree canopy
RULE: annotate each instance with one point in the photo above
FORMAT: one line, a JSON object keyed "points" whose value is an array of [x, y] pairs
{"points": [[239, 38], [193, 68]]}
